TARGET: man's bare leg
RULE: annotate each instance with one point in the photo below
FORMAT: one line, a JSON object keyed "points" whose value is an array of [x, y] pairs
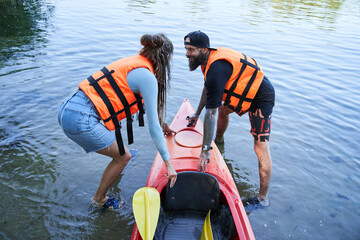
{"points": [[265, 168], [222, 123]]}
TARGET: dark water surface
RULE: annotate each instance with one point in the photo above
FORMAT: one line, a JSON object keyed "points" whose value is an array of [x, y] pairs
{"points": [[308, 49]]}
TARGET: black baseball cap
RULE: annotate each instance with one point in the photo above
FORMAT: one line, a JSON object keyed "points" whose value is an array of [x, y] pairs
{"points": [[198, 39]]}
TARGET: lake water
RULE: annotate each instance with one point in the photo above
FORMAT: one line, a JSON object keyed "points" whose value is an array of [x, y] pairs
{"points": [[310, 51]]}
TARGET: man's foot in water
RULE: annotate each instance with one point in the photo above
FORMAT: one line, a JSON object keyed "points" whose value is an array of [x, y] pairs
{"points": [[220, 143], [219, 140], [254, 203]]}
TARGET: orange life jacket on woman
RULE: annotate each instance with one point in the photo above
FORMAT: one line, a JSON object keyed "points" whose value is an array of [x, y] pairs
{"points": [[110, 93], [244, 82]]}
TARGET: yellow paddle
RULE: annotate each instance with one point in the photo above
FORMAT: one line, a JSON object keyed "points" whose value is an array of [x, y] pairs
{"points": [[206, 233], [146, 208]]}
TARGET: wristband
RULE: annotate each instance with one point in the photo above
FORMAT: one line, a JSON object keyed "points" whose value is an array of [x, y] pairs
{"points": [[206, 148]]}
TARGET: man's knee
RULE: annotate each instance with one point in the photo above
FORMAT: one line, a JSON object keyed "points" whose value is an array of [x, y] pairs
{"points": [[224, 111], [261, 146], [262, 149], [263, 154]]}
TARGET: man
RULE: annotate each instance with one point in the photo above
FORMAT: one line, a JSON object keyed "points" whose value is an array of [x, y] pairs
{"points": [[233, 83]]}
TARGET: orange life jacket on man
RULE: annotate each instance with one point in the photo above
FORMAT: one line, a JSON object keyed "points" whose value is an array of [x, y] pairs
{"points": [[244, 82], [110, 93]]}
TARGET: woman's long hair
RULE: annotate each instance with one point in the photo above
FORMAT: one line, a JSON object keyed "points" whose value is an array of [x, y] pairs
{"points": [[158, 49]]}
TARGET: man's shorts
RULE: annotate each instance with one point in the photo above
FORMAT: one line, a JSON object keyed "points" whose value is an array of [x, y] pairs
{"points": [[260, 111], [260, 125]]}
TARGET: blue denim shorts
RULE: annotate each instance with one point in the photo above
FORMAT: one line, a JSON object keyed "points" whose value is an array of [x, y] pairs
{"points": [[81, 123]]}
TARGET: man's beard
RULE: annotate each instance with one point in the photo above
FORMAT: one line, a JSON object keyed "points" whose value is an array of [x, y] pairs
{"points": [[197, 61]]}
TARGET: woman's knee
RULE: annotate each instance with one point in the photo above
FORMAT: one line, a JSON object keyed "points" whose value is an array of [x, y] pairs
{"points": [[113, 152], [124, 159]]}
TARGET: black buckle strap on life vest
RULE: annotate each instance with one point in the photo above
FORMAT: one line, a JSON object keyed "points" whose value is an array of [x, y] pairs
{"points": [[242, 97], [119, 141], [249, 84], [104, 76], [230, 92], [141, 109], [118, 112], [238, 96], [111, 110], [245, 61], [245, 92], [124, 102]]}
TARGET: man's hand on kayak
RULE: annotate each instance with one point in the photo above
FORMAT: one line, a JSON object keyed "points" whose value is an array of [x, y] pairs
{"points": [[171, 173], [167, 130], [193, 118], [203, 161]]}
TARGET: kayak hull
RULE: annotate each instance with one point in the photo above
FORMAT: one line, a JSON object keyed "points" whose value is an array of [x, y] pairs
{"points": [[184, 148]]}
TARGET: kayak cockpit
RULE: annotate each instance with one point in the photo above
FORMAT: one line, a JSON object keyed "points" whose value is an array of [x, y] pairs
{"points": [[185, 206]]}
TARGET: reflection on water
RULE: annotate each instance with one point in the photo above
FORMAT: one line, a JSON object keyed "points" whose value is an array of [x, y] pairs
{"points": [[48, 47], [26, 170], [143, 6], [24, 180], [23, 27], [308, 10], [246, 189]]}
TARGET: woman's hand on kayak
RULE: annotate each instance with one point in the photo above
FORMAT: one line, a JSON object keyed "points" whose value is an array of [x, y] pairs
{"points": [[171, 173], [203, 161], [167, 130]]}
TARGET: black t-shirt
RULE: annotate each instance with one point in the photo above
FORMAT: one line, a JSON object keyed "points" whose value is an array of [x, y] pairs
{"points": [[217, 76]]}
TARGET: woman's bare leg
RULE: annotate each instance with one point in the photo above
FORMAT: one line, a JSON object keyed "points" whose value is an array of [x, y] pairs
{"points": [[112, 171]]}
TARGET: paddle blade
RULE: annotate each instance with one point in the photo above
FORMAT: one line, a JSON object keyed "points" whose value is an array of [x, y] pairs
{"points": [[206, 233], [146, 208]]}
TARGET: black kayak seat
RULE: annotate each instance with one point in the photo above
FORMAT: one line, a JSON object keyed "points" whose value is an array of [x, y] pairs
{"points": [[185, 206], [193, 191]]}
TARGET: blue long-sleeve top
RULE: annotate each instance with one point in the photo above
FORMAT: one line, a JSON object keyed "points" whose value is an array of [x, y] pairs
{"points": [[142, 81]]}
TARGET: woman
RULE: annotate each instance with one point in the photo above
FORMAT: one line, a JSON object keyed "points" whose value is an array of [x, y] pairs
{"points": [[115, 93]]}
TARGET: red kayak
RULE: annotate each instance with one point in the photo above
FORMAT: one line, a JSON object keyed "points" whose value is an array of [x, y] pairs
{"points": [[185, 206]]}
